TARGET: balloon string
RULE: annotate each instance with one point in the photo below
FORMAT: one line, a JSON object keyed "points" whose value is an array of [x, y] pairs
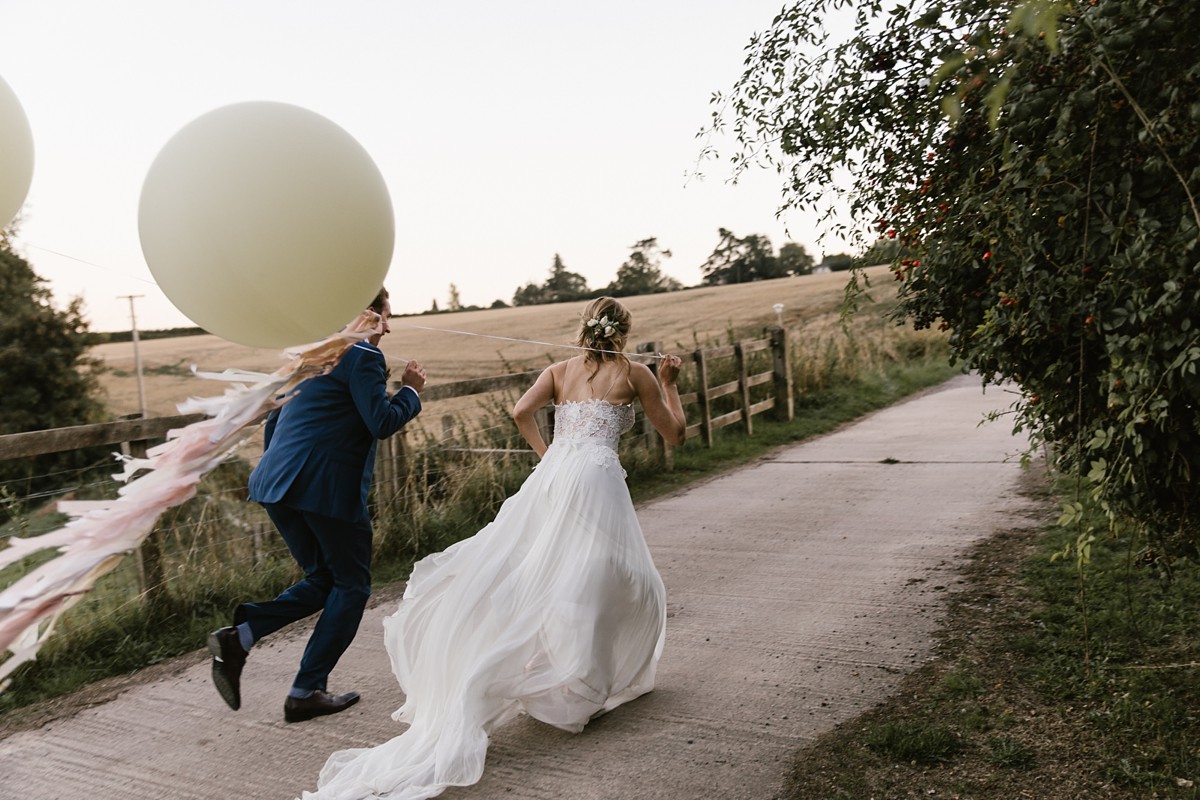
{"points": [[91, 263], [523, 341]]}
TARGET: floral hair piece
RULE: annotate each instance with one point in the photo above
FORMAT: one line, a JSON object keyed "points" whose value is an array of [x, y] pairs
{"points": [[602, 324]]}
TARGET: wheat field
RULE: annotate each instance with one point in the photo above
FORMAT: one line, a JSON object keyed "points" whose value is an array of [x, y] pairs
{"points": [[678, 321]]}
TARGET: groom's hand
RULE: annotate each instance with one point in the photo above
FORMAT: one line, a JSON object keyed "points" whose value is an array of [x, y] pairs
{"points": [[414, 376]]}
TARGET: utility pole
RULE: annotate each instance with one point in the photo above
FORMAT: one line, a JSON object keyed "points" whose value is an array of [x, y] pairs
{"points": [[137, 353]]}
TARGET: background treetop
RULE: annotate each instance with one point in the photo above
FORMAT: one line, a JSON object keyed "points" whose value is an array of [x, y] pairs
{"points": [[49, 380]]}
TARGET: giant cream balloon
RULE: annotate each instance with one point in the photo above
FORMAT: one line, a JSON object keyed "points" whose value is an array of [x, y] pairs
{"points": [[266, 224], [16, 155]]}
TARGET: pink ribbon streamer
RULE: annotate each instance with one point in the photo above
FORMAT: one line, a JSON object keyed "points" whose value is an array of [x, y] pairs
{"points": [[96, 542]]}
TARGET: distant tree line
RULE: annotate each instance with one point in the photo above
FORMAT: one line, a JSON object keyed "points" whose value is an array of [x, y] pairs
{"points": [[101, 337], [734, 260], [49, 382]]}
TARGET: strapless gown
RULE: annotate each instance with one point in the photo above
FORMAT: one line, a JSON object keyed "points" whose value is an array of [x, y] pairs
{"points": [[555, 609]]}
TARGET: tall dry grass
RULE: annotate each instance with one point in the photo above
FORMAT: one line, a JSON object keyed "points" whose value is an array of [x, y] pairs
{"points": [[825, 353]]}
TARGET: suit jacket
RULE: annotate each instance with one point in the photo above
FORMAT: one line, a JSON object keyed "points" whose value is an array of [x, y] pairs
{"points": [[320, 446]]}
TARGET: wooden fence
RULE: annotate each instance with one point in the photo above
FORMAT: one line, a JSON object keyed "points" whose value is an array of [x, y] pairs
{"points": [[133, 436], [780, 400]]}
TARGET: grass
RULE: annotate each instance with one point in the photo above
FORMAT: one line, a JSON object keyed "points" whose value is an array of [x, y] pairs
{"points": [[913, 742], [816, 414], [113, 630], [1008, 752], [104, 641], [1039, 704]]}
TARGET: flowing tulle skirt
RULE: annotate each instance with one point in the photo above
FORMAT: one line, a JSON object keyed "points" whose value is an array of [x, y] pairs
{"points": [[555, 608]]}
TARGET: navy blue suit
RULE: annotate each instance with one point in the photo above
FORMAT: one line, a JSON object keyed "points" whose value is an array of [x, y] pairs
{"points": [[313, 481]]}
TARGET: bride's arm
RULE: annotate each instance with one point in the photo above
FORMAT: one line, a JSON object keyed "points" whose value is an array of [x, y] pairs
{"points": [[538, 395], [661, 404]]}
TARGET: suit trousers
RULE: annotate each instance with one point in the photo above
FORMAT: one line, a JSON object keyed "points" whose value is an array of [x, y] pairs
{"points": [[335, 556]]}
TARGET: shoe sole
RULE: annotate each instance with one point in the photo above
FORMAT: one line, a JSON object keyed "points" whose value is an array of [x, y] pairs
{"points": [[224, 687], [302, 716]]}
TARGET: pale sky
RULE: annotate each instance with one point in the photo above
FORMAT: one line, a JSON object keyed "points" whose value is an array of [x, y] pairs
{"points": [[507, 132]]}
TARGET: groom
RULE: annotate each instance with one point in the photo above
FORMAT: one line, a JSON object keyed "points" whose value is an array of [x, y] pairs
{"points": [[313, 480]]}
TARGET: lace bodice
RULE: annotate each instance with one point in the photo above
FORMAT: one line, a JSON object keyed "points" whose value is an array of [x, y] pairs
{"points": [[591, 422]]}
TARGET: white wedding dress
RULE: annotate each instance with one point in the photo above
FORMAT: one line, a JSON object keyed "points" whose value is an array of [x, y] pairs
{"points": [[555, 608]]}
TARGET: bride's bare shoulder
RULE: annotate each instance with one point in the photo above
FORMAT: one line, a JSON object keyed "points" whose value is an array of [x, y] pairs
{"points": [[639, 372], [558, 367]]}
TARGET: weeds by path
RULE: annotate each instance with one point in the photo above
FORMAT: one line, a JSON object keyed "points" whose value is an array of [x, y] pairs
{"points": [[1010, 708]]}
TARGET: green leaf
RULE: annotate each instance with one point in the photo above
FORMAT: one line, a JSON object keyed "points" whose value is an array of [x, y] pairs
{"points": [[1072, 512], [929, 18], [952, 108], [948, 67], [994, 100]]}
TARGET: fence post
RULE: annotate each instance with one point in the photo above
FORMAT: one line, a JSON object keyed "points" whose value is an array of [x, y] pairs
{"points": [[391, 468], [257, 534], [395, 443], [655, 443], [149, 554], [739, 356], [544, 417], [385, 474], [383, 486], [400, 449], [391, 464], [706, 432], [785, 407]]}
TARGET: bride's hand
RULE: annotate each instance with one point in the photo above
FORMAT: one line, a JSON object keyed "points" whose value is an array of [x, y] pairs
{"points": [[668, 370]]}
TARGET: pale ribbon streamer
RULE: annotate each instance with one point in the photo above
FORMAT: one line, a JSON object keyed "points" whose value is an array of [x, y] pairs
{"points": [[95, 543]]}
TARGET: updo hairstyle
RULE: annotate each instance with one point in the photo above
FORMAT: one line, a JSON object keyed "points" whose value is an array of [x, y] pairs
{"points": [[604, 327]]}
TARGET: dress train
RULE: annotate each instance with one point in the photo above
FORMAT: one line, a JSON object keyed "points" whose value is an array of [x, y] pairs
{"points": [[555, 609]]}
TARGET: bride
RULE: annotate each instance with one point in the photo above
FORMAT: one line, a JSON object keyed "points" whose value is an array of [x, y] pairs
{"points": [[555, 608]]}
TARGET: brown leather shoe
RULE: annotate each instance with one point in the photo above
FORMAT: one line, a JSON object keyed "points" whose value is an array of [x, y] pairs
{"points": [[318, 704], [227, 663]]}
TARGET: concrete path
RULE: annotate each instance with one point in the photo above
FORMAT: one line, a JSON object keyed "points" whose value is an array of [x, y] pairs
{"points": [[801, 589]]}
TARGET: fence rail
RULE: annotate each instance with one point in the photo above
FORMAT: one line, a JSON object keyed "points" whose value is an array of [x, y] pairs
{"points": [[140, 432], [80, 437]]}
